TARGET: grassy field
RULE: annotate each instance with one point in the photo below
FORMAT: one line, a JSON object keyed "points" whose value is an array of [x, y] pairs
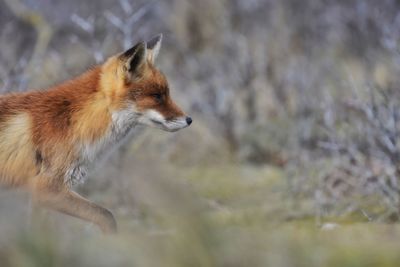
{"points": [[223, 215]]}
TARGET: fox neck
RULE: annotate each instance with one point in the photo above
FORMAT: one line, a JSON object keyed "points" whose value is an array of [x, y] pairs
{"points": [[108, 122], [106, 112], [122, 122]]}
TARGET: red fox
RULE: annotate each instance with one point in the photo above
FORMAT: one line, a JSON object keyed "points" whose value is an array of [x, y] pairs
{"points": [[49, 139]]}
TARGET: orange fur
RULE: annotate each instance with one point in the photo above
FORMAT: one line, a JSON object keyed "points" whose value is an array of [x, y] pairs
{"points": [[48, 137]]}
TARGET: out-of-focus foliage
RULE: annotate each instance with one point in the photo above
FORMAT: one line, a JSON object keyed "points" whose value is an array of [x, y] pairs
{"points": [[296, 123]]}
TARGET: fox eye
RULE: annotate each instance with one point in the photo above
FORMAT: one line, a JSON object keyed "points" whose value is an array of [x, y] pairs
{"points": [[158, 97]]}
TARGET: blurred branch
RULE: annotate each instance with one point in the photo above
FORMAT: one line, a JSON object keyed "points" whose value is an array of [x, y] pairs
{"points": [[89, 26], [126, 6], [43, 29], [86, 25], [14, 78], [126, 25]]}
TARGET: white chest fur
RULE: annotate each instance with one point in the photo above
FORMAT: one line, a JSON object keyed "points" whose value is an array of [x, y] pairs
{"points": [[123, 123]]}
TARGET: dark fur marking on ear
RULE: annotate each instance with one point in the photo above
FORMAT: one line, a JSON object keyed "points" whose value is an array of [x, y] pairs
{"points": [[137, 58], [134, 56], [130, 52]]}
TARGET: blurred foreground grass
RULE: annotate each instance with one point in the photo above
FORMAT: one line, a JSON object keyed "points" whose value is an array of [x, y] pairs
{"points": [[223, 215]]}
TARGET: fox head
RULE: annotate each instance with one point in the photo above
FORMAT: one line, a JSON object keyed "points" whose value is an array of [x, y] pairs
{"points": [[132, 78]]}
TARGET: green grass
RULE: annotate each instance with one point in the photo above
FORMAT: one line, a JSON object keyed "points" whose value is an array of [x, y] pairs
{"points": [[211, 216]]}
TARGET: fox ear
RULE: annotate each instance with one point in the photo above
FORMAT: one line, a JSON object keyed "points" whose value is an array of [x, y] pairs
{"points": [[153, 46], [134, 60]]}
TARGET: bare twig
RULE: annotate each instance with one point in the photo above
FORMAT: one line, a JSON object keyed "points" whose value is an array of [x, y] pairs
{"points": [[43, 29]]}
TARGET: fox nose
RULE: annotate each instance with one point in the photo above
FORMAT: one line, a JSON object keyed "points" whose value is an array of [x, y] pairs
{"points": [[188, 120]]}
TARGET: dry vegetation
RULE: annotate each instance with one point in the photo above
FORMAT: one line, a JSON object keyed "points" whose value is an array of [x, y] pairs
{"points": [[296, 125]]}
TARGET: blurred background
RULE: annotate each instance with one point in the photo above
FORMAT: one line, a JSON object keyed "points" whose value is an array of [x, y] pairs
{"points": [[293, 156]]}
